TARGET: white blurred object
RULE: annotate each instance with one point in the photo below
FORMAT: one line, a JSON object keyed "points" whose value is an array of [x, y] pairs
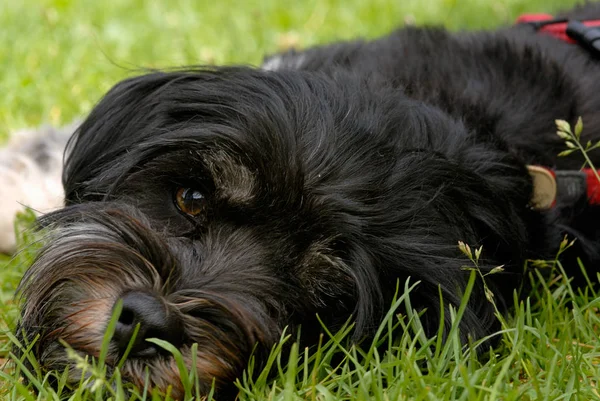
{"points": [[31, 164]]}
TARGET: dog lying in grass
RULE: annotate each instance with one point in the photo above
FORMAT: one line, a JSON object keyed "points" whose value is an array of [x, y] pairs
{"points": [[219, 206]]}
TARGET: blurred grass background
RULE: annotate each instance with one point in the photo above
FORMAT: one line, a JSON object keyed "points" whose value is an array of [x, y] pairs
{"points": [[57, 57]]}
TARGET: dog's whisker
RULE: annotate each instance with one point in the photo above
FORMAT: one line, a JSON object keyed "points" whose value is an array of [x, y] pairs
{"points": [[81, 310], [56, 332], [26, 206]]}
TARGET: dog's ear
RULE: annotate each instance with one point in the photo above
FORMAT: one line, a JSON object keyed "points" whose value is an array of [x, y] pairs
{"points": [[103, 134]]}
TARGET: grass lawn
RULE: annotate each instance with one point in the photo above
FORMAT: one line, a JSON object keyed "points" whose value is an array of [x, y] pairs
{"points": [[59, 56]]}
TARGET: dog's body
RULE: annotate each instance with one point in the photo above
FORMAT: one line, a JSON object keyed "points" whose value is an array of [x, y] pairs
{"points": [[225, 204]]}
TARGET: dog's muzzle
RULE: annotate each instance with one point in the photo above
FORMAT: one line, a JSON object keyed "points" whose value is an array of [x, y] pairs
{"points": [[98, 256]]}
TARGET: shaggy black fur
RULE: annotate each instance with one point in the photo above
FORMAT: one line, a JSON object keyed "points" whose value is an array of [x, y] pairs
{"points": [[319, 185]]}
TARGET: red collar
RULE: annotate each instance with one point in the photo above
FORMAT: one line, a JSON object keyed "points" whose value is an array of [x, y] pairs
{"points": [[563, 187]]}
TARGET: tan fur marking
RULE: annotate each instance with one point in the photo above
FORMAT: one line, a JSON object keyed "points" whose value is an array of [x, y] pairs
{"points": [[234, 181]]}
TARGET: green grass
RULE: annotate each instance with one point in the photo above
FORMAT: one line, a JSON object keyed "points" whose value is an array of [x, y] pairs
{"points": [[58, 57]]}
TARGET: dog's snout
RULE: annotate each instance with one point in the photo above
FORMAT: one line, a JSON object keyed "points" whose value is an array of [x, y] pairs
{"points": [[155, 320]]}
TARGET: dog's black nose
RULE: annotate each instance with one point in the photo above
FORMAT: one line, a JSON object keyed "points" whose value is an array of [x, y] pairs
{"points": [[155, 320]]}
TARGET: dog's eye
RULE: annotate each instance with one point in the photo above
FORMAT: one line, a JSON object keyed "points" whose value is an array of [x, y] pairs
{"points": [[190, 201]]}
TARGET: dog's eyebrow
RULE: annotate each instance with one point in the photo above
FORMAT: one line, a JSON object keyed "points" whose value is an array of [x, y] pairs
{"points": [[233, 180]]}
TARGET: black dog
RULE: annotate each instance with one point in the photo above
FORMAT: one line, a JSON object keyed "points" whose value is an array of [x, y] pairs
{"points": [[224, 204]]}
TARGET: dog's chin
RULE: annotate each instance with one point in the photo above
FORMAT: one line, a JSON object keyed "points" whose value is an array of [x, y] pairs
{"points": [[91, 263]]}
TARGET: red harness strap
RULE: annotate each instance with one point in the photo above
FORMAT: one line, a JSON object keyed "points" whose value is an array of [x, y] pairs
{"points": [[585, 33], [547, 24]]}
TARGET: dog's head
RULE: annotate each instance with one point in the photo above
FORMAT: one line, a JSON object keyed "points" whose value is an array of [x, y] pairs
{"points": [[224, 205]]}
